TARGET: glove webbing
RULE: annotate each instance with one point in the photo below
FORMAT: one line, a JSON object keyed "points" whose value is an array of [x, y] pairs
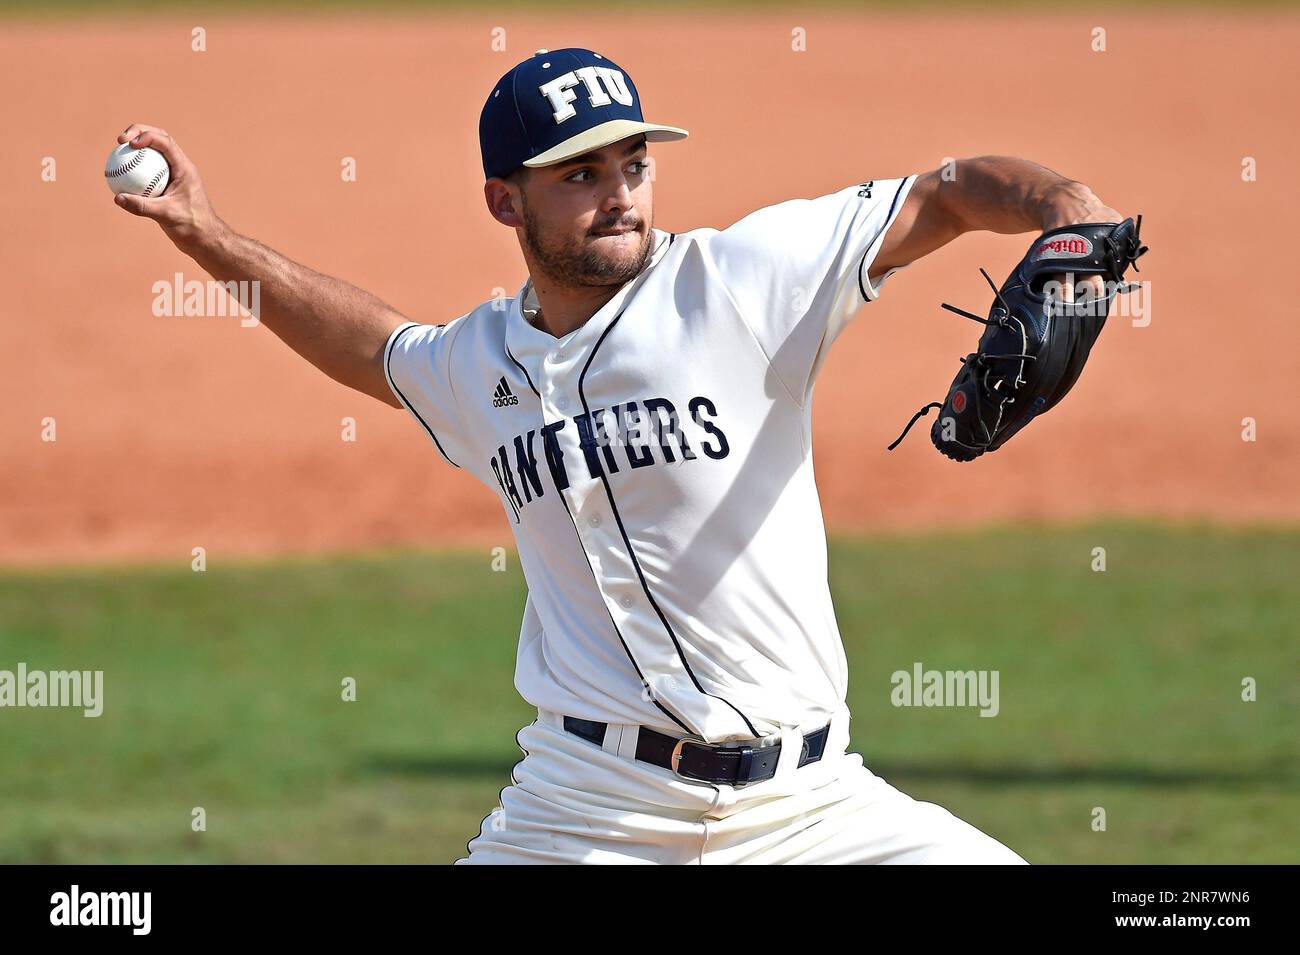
{"points": [[1000, 313]]}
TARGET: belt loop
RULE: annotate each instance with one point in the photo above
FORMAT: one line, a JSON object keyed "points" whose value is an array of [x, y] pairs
{"points": [[627, 741], [551, 718], [613, 734], [791, 749]]}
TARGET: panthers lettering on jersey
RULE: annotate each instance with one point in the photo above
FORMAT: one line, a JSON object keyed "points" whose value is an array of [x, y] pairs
{"points": [[629, 435]]}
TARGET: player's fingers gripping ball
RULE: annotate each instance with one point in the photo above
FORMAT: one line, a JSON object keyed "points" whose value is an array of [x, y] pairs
{"points": [[137, 172], [1037, 336]]}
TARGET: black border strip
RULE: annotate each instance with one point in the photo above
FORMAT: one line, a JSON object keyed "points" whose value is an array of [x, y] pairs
{"points": [[388, 373]]}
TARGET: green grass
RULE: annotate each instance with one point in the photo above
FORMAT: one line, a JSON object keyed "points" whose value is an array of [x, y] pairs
{"points": [[1118, 690]]}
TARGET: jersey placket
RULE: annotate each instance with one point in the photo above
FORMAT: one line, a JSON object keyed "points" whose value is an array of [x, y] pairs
{"points": [[560, 370], [597, 527]]}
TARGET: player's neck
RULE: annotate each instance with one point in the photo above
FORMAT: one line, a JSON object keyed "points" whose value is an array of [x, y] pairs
{"points": [[562, 308]]}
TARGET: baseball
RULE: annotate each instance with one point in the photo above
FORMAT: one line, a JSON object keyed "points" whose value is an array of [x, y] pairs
{"points": [[138, 172]]}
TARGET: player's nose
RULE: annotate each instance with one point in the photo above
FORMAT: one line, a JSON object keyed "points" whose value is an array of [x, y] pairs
{"points": [[618, 195]]}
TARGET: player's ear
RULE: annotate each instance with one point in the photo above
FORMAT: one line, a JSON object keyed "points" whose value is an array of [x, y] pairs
{"points": [[503, 202]]}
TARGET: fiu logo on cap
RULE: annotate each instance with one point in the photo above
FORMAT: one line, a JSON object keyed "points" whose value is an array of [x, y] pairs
{"points": [[604, 85]]}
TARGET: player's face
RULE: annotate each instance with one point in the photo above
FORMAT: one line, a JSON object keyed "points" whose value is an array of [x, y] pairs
{"points": [[586, 222]]}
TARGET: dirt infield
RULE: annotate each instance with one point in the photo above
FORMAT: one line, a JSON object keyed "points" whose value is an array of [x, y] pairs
{"points": [[175, 432]]}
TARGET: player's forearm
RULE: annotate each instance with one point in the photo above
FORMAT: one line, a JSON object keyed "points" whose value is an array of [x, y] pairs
{"points": [[338, 327], [1010, 195]]}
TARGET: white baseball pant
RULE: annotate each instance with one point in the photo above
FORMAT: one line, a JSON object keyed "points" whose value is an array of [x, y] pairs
{"points": [[573, 802]]}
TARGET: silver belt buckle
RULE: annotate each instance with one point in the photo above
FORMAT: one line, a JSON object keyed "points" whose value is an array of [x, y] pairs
{"points": [[676, 757]]}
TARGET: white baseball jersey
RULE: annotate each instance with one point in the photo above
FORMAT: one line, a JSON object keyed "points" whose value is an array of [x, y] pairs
{"points": [[656, 467]]}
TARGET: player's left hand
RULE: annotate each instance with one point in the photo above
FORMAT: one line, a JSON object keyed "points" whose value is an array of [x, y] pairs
{"points": [[1071, 206]]}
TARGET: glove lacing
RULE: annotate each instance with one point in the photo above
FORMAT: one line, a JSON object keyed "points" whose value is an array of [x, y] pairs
{"points": [[1001, 319]]}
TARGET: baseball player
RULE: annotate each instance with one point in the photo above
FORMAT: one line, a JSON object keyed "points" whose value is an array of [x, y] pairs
{"points": [[643, 410]]}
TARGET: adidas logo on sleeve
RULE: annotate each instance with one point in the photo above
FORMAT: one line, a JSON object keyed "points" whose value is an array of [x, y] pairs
{"points": [[503, 396]]}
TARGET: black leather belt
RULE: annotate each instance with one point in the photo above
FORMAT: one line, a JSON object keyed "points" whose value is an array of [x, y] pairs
{"points": [[692, 758]]}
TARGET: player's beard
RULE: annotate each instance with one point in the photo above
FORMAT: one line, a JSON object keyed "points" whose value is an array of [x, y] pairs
{"points": [[577, 262]]}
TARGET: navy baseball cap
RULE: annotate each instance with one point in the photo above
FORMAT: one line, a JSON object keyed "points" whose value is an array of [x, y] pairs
{"points": [[558, 104]]}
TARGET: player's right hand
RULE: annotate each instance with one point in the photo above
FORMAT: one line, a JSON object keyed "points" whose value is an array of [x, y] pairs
{"points": [[183, 210]]}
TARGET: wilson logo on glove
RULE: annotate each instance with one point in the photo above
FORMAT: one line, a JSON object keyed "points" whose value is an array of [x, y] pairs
{"points": [[1064, 247]]}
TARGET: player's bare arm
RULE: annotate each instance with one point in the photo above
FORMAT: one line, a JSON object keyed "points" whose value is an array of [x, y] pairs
{"points": [[986, 194], [338, 327]]}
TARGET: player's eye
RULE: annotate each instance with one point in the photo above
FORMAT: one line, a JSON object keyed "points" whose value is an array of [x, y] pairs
{"points": [[578, 175], [639, 166]]}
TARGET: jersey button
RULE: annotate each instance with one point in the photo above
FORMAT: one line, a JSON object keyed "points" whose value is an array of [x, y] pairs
{"points": [[594, 520], [562, 404], [626, 601]]}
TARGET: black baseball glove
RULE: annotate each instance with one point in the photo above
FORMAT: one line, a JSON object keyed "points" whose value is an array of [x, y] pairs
{"points": [[1035, 342]]}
